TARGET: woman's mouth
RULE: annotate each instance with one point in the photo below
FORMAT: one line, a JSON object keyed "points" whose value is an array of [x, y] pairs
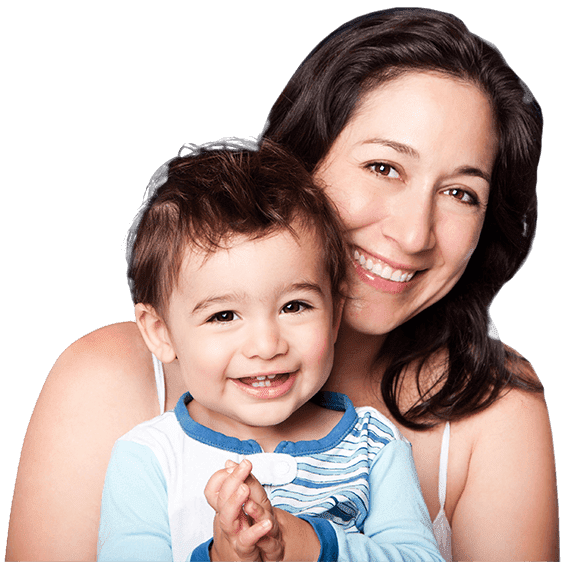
{"points": [[383, 270], [382, 276]]}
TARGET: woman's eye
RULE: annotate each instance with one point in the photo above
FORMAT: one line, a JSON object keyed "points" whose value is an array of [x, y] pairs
{"points": [[461, 195], [224, 316], [295, 307], [385, 170]]}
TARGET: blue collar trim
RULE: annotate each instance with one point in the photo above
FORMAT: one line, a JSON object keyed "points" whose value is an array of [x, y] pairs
{"points": [[328, 400]]}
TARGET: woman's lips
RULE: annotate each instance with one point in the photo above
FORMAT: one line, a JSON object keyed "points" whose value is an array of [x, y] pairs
{"points": [[382, 275], [383, 269]]}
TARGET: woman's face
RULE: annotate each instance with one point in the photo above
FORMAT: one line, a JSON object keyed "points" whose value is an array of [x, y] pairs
{"points": [[410, 174]]}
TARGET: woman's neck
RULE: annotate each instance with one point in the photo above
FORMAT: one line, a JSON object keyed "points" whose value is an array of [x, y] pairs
{"points": [[355, 371]]}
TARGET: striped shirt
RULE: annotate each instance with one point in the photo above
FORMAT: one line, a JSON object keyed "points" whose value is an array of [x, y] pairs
{"points": [[154, 507]]}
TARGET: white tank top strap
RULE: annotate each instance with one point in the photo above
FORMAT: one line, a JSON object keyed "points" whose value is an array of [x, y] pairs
{"points": [[443, 470], [440, 525], [159, 382]]}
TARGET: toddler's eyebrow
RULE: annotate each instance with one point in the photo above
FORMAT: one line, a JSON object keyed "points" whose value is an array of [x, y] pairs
{"points": [[305, 286], [214, 300], [232, 297]]}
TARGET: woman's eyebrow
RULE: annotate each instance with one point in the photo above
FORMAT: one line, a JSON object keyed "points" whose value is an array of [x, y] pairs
{"points": [[398, 146], [410, 151], [473, 171]]}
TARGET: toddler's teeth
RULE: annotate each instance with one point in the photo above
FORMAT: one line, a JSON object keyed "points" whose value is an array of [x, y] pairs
{"points": [[271, 376], [261, 378]]}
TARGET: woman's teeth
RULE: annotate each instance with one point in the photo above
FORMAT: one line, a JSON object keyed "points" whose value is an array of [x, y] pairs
{"points": [[382, 270]]}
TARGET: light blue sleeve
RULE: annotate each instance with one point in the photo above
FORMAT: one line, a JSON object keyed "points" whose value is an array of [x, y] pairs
{"points": [[398, 526], [134, 518]]}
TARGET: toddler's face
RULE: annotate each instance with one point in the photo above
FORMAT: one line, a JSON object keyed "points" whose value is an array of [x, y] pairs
{"points": [[252, 327]]}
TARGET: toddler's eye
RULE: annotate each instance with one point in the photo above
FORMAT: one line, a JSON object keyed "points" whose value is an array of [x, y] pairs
{"points": [[224, 316], [385, 170], [295, 306]]}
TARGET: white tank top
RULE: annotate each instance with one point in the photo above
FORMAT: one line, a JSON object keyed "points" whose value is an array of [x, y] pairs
{"points": [[159, 383], [440, 525]]}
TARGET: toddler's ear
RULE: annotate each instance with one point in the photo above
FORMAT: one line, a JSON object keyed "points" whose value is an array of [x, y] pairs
{"points": [[155, 333]]}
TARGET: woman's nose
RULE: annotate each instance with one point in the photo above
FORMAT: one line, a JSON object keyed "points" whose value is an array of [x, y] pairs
{"points": [[264, 340], [411, 223]]}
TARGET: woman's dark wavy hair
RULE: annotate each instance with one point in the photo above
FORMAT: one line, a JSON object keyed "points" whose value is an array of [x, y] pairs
{"points": [[313, 109]]}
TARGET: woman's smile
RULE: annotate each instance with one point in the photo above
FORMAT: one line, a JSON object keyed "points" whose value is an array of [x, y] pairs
{"points": [[412, 193]]}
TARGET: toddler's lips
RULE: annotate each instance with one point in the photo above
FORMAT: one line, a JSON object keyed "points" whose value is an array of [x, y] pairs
{"points": [[265, 380], [266, 387]]}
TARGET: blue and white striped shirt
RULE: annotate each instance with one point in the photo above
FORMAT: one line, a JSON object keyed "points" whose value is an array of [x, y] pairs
{"points": [[357, 487]]}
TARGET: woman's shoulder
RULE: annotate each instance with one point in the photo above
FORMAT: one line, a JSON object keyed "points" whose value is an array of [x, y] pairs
{"points": [[99, 388], [114, 356], [115, 344], [113, 362], [502, 463]]}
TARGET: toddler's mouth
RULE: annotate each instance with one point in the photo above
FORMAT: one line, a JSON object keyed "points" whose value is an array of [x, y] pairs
{"points": [[265, 380]]}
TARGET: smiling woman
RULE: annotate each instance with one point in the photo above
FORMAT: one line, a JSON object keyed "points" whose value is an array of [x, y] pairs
{"points": [[414, 205], [429, 144]]}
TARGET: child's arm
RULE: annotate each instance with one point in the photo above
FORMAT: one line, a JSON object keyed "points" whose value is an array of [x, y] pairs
{"points": [[398, 526], [134, 519]]}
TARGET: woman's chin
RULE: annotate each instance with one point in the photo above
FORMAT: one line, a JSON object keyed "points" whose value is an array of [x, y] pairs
{"points": [[371, 320]]}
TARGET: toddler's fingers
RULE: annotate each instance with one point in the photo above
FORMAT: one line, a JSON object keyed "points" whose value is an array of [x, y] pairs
{"points": [[236, 477], [256, 511], [257, 493], [213, 487], [250, 536], [271, 549], [231, 517]]}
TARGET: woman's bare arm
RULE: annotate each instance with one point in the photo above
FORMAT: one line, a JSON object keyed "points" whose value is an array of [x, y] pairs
{"points": [[99, 388], [508, 509]]}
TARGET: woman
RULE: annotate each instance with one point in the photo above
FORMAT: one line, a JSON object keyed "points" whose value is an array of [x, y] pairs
{"points": [[442, 203]]}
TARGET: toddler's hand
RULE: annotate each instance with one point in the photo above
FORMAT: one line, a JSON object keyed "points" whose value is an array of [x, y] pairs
{"points": [[259, 508], [245, 526]]}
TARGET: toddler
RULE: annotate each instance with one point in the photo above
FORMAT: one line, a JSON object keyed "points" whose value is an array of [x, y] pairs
{"points": [[237, 269]]}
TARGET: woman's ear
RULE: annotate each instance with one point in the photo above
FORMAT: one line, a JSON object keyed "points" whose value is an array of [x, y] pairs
{"points": [[155, 333]]}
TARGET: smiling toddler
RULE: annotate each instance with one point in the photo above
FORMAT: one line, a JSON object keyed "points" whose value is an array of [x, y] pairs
{"points": [[237, 270]]}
